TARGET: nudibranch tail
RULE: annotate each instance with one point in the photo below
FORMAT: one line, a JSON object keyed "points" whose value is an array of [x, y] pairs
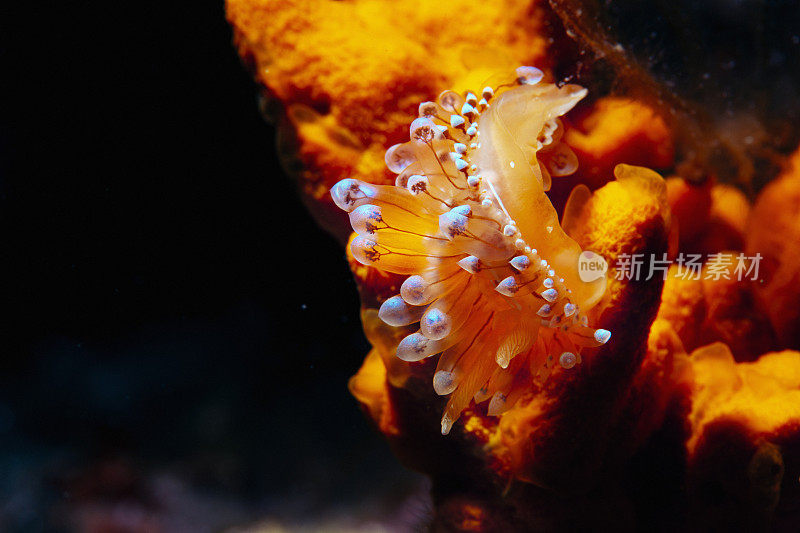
{"points": [[492, 277]]}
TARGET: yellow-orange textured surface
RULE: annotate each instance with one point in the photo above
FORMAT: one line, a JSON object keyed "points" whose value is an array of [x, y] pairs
{"points": [[344, 80]]}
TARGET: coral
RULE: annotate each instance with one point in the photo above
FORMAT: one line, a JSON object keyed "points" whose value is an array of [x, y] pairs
{"points": [[683, 305], [774, 231], [710, 217], [745, 437], [619, 130], [690, 204]]}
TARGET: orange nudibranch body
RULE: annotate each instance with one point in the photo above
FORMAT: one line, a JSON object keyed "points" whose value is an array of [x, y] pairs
{"points": [[493, 279]]}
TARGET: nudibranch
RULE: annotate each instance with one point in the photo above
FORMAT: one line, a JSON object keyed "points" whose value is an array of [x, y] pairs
{"points": [[492, 278]]}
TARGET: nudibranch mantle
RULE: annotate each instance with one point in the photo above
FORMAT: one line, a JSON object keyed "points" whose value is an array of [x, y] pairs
{"points": [[492, 277]]}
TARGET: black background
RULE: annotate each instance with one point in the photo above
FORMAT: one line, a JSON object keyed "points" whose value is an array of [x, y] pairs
{"points": [[169, 302], [170, 307]]}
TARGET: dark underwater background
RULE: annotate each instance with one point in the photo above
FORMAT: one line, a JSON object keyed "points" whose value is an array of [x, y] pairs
{"points": [[178, 333]]}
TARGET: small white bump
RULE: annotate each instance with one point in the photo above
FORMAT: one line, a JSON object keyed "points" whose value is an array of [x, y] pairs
{"points": [[427, 109], [456, 120], [461, 164], [452, 224], [488, 92], [529, 75], [471, 99], [435, 324], [569, 309], [413, 290], [472, 130], [512, 164], [567, 360], [520, 262], [473, 181], [544, 310], [509, 230], [442, 129], [447, 425], [467, 109], [423, 129], [519, 244], [414, 347], [549, 229], [551, 272], [471, 264], [507, 287], [527, 249], [483, 103], [444, 382], [486, 203], [473, 145], [496, 404], [543, 263], [548, 283], [602, 335], [502, 360], [460, 147], [551, 295], [417, 185], [473, 168]]}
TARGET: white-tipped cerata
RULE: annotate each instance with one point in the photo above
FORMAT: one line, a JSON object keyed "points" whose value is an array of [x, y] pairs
{"points": [[415, 347], [529, 75], [347, 192], [415, 291], [435, 324], [497, 404], [453, 224], [444, 382], [471, 264], [602, 336], [456, 120], [568, 360], [423, 129], [417, 184], [447, 424], [551, 295], [507, 287], [520, 262], [396, 312]]}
